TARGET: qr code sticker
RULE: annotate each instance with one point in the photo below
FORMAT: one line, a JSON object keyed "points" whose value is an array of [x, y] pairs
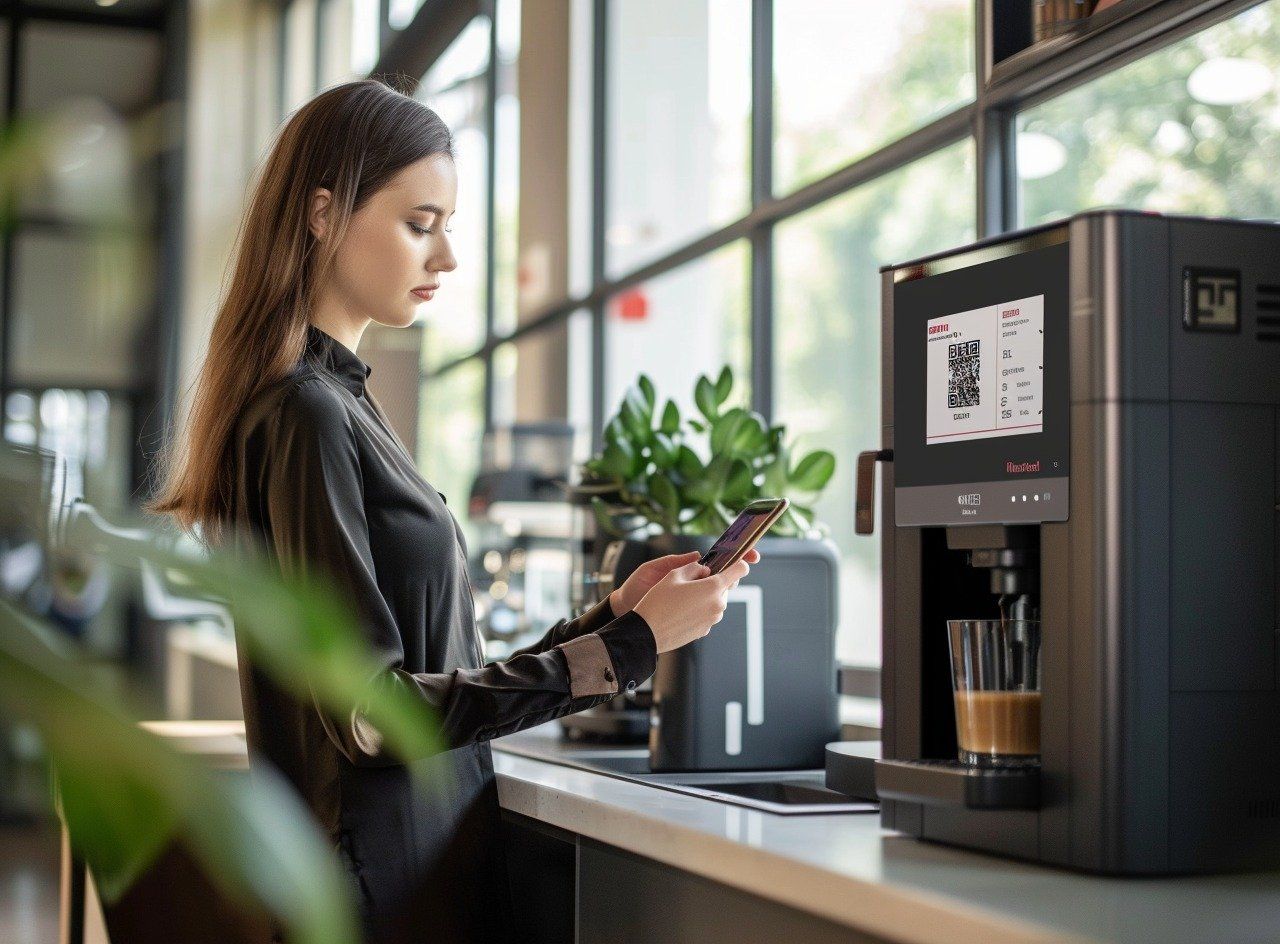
{"points": [[964, 366]]}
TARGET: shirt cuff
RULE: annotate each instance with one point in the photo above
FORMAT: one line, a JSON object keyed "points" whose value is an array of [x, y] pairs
{"points": [[620, 656], [596, 618]]}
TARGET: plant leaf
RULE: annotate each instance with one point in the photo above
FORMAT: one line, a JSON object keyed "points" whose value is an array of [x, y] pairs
{"points": [[614, 430], [634, 420], [650, 394], [750, 438], [724, 384], [663, 451], [739, 487], [604, 519], [814, 471], [670, 418], [619, 458], [688, 464], [126, 795], [725, 429], [664, 493], [704, 395]]}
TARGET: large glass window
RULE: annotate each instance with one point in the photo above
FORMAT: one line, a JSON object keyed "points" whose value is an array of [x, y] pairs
{"points": [[299, 52], [1192, 128], [850, 77], [450, 431], [455, 88], [827, 340], [546, 375], [506, 171], [690, 321], [678, 129]]}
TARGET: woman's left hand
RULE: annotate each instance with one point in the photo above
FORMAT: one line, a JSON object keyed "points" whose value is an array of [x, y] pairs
{"points": [[646, 576]]}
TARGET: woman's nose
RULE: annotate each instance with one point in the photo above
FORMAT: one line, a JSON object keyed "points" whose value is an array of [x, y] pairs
{"points": [[443, 260]]}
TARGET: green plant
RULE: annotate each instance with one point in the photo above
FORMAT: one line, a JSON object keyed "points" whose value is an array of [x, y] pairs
{"points": [[124, 794], [691, 475]]}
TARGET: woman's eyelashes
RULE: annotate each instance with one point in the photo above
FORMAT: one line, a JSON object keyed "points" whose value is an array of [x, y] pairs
{"points": [[425, 231]]}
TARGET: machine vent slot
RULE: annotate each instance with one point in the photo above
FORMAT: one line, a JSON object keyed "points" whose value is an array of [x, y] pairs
{"points": [[1268, 312]]}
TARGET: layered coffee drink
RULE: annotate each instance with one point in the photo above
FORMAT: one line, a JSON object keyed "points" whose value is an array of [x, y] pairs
{"points": [[996, 728]]}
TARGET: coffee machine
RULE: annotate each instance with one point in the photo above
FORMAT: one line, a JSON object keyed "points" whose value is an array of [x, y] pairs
{"points": [[1080, 425]]}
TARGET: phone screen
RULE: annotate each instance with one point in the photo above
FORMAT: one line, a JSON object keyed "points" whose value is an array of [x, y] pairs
{"points": [[745, 530]]}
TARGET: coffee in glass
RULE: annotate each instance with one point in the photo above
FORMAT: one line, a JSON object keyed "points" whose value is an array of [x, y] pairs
{"points": [[995, 672]]}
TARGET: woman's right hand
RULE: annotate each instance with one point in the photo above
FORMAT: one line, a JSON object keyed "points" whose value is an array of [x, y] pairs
{"points": [[687, 602]]}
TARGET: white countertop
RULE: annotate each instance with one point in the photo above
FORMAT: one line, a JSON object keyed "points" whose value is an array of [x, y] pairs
{"points": [[847, 869]]}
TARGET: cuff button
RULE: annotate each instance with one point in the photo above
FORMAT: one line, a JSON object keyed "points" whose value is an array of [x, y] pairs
{"points": [[631, 686], [608, 675]]}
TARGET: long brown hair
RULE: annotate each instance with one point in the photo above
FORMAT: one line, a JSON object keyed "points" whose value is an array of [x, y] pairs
{"points": [[351, 139]]}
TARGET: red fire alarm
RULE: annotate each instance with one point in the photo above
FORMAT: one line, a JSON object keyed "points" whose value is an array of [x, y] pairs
{"points": [[632, 305]]}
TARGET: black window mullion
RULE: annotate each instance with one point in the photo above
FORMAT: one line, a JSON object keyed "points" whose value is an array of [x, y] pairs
{"points": [[491, 211], [16, 24], [599, 88], [317, 46], [761, 291]]}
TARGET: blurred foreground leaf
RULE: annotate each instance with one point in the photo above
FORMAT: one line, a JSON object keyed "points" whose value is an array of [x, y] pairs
{"points": [[125, 794]]}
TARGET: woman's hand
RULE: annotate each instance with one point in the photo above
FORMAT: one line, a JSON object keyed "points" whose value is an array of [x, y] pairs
{"points": [[648, 575], [687, 602]]}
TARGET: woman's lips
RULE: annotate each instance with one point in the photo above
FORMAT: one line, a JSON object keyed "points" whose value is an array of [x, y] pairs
{"points": [[425, 294]]}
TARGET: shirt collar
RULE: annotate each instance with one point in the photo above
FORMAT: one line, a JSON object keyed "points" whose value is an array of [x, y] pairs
{"points": [[339, 360]]}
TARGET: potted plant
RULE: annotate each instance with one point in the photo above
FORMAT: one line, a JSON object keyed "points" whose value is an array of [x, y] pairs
{"points": [[666, 473], [669, 483]]}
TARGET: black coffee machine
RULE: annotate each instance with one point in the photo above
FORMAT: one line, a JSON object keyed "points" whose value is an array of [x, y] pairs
{"points": [[1082, 421]]}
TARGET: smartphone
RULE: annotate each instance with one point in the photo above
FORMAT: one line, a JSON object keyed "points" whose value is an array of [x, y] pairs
{"points": [[741, 536]]}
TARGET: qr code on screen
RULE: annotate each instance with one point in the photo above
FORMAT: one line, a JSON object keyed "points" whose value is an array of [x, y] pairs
{"points": [[964, 366]]}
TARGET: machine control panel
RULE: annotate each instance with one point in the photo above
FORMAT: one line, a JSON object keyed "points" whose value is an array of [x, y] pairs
{"points": [[981, 397]]}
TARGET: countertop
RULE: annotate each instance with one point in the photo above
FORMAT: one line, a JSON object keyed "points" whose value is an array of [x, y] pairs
{"points": [[847, 869]]}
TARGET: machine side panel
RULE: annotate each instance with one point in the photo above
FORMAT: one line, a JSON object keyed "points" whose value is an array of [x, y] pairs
{"points": [[1225, 781], [1223, 547], [1142, 725], [1055, 662], [1116, 357], [1241, 366]]}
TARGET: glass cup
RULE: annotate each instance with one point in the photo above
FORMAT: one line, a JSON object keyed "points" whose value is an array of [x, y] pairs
{"points": [[995, 675]]}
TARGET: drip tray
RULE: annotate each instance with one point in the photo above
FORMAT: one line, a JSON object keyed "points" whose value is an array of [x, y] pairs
{"points": [[785, 792], [951, 783]]}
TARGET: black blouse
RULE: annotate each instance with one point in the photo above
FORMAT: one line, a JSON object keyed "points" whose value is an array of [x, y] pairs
{"points": [[323, 481]]}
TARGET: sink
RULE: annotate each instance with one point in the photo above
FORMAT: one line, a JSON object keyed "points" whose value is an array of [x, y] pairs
{"points": [[625, 762], [776, 791], [790, 792]]}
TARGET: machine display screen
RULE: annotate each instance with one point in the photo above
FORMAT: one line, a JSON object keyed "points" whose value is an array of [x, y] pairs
{"points": [[980, 391], [985, 369]]}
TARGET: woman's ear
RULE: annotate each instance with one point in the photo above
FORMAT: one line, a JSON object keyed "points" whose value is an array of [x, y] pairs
{"points": [[318, 212]]}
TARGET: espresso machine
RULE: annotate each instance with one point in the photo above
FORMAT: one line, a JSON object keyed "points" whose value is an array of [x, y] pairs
{"points": [[1080, 426]]}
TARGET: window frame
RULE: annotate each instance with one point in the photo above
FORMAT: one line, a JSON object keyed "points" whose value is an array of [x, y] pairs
{"points": [[1135, 29]]}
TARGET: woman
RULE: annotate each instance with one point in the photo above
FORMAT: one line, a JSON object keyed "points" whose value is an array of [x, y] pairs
{"points": [[286, 445]]}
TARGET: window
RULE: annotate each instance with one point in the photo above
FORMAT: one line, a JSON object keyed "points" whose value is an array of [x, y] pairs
{"points": [[546, 375], [679, 123], [827, 341], [299, 52], [850, 77], [893, 95], [506, 171], [451, 428], [692, 320], [1193, 128], [456, 89]]}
